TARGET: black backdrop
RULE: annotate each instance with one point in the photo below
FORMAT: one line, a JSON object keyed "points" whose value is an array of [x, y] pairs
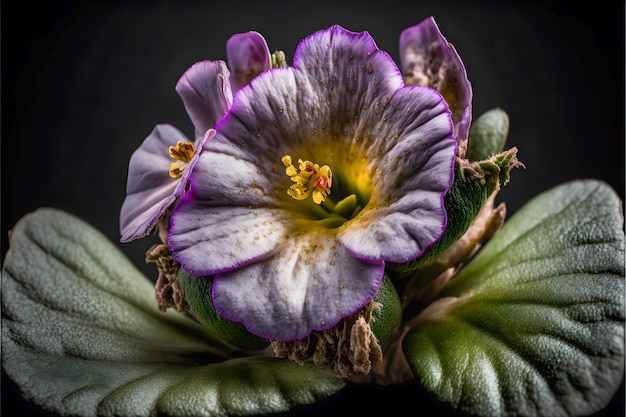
{"points": [[84, 83]]}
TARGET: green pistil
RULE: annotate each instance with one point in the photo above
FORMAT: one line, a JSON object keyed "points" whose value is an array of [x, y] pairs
{"points": [[346, 208], [337, 214]]}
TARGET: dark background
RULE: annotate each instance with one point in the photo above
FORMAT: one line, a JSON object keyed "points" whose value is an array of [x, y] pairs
{"points": [[84, 83]]}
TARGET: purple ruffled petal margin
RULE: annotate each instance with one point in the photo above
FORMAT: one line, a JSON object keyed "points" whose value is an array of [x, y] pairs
{"points": [[248, 55], [206, 93], [411, 179], [283, 276], [150, 190], [428, 59]]}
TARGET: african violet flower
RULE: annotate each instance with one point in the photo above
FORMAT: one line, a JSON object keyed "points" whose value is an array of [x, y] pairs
{"points": [[316, 178], [206, 91], [376, 158]]}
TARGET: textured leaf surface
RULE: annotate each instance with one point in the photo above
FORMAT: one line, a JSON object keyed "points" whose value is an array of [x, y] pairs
{"points": [[81, 335], [535, 324]]}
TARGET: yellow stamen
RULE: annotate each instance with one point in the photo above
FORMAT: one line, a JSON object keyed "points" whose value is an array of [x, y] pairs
{"points": [[176, 170], [308, 178], [182, 153]]}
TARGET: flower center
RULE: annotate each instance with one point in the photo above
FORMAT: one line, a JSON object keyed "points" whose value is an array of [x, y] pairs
{"points": [[182, 153], [308, 178]]}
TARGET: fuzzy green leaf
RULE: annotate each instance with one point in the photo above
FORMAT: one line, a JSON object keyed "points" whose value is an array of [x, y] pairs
{"points": [[81, 335], [534, 325]]}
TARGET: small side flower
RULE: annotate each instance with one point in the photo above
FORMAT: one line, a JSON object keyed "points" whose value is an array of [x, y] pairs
{"points": [[159, 169]]}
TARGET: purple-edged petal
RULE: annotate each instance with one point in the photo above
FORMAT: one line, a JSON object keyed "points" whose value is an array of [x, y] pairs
{"points": [[150, 190], [312, 286], [206, 93], [414, 171], [210, 241], [248, 55], [428, 59]]}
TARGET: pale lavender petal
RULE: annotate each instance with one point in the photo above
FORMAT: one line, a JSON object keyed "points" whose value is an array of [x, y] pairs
{"points": [[412, 173], [150, 190], [351, 81], [428, 59], [206, 93], [312, 286], [216, 227], [248, 55], [231, 216]]}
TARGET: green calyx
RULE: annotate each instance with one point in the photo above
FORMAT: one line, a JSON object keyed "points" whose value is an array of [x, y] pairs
{"points": [[386, 318], [197, 291]]}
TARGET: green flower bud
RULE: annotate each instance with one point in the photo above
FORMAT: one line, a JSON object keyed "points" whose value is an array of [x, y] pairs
{"points": [[386, 318]]}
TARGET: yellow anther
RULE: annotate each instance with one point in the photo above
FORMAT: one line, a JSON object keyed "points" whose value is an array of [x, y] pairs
{"points": [[176, 169], [308, 178], [182, 153]]}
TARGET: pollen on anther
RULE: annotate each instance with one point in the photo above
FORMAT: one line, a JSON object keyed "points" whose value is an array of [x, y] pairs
{"points": [[308, 178], [182, 153]]}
